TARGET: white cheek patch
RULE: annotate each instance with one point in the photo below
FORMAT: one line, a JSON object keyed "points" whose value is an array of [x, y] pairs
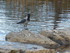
{"points": [[26, 17]]}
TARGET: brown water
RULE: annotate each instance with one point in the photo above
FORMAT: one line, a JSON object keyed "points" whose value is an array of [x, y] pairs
{"points": [[45, 15]]}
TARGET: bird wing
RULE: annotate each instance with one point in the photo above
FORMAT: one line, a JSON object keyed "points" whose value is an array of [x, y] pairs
{"points": [[22, 21]]}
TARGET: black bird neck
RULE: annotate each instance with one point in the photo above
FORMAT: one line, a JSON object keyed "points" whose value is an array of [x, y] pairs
{"points": [[28, 17]]}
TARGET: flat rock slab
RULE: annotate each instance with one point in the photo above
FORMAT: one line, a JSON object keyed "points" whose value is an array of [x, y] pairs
{"points": [[29, 37], [15, 47]]}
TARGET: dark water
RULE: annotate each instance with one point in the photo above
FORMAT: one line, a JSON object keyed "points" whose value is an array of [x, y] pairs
{"points": [[45, 15]]}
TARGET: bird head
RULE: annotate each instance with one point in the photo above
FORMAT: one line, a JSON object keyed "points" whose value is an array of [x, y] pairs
{"points": [[28, 16]]}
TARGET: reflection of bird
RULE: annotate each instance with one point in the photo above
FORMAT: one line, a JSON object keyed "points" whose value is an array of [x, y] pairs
{"points": [[25, 21]]}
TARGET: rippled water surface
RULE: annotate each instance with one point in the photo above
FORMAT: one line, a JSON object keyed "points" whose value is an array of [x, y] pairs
{"points": [[45, 15]]}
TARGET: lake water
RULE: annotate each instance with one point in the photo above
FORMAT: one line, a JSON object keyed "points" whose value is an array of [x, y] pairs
{"points": [[45, 15]]}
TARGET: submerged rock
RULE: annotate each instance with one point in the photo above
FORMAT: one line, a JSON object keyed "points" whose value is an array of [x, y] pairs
{"points": [[14, 47], [29, 37]]}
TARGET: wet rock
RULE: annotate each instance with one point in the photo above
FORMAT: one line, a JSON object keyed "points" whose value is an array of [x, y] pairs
{"points": [[14, 47], [55, 36], [29, 37]]}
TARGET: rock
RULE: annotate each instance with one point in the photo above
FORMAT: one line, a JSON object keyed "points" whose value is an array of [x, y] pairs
{"points": [[63, 49], [65, 33], [29, 37], [42, 51], [15, 47], [53, 35]]}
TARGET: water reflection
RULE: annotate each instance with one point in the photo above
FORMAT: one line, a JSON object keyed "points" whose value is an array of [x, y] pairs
{"points": [[45, 15]]}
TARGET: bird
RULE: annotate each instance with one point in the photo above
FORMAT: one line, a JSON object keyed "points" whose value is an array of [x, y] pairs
{"points": [[25, 21]]}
